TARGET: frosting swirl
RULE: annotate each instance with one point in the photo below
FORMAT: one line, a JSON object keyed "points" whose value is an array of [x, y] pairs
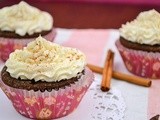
{"points": [[24, 19], [45, 61], [145, 29]]}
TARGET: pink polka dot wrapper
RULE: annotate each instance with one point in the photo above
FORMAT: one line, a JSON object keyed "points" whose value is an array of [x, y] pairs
{"points": [[141, 63], [49, 105], [8, 45]]}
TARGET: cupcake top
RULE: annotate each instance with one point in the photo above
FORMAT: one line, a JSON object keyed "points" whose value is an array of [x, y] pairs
{"points": [[145, 29], [45, 61], [24, 19]]}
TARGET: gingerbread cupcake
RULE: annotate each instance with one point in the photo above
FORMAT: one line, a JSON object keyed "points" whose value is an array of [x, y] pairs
{"points": [[139, 44], [20, 24], [45, 80]]}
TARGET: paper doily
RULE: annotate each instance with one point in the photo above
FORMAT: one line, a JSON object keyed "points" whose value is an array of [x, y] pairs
{"points": [[107, 105]]}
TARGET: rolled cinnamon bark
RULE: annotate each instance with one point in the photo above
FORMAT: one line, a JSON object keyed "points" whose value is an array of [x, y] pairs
{"points": [[121, 76], [107, 72]]}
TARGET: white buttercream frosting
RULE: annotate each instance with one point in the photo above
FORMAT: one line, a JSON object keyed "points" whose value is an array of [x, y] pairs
{"points": [[145, 29], [46, 61], [23, 18]]}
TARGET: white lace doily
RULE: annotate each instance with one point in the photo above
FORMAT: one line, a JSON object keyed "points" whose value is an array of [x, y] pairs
{"points": [[107, 105]]}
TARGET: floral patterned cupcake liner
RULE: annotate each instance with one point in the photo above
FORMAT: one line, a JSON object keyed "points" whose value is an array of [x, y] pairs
{"points": [[49, 105], [8, 45], [141, 63]]}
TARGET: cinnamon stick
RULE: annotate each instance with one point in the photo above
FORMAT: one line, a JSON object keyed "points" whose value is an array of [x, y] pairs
{"points": [[121, 76], [107, 72]]}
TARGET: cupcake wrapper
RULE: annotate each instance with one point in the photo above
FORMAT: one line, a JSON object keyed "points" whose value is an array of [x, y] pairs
{"points": [[49, 105], [8, 45], [141, 63]]}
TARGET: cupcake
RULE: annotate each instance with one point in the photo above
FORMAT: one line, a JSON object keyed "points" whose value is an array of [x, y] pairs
{"points": [[20, 24], [45, 80], [139, 44]]}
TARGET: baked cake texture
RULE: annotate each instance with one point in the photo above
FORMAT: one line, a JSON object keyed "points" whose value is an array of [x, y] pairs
{"points": [[139, 44], [20, 24], [45, 80]]}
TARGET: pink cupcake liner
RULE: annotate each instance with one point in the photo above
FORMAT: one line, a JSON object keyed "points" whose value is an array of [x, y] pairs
{"points": [[8, 45], [49, 105], [141, 63]]}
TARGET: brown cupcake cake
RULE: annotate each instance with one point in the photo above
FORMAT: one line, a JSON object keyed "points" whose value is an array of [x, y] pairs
{"points": [[20, 24], [139, 44], [40, 85], [8, 34], [45, 80]]}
